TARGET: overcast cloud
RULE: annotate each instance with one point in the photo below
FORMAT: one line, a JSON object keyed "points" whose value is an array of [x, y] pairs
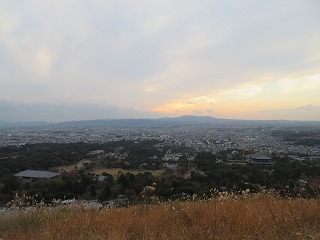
{"points": [[111, 59]]}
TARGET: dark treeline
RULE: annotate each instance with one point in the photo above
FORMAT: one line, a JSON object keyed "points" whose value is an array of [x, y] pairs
{"points": [[198, 176]]}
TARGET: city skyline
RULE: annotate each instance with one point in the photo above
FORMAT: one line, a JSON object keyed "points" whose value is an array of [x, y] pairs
{"points": [[76, 60]]}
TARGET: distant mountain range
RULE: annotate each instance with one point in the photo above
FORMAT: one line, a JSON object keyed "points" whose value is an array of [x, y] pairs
{"points": [[183, 120], [23, 124], [161, 122]]}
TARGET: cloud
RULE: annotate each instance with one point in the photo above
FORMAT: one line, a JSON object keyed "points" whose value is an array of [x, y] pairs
{"points": [[196, 112], [142, 54], [248, 99], [308, 112], [210, 111], [10, 111], [309, 108]]}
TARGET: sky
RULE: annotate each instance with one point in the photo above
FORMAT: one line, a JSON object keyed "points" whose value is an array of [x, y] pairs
{"points": [[77, 59]]}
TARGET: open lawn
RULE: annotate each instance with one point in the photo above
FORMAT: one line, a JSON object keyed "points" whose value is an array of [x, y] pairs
{"points": [[69, 168], [114, 171]]}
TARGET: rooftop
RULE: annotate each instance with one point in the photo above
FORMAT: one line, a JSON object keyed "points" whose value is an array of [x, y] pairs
{"points": [[36, 174], [259, 156]]}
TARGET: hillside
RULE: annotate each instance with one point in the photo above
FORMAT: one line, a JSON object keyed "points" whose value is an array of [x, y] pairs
{"points": [[260, 217]]}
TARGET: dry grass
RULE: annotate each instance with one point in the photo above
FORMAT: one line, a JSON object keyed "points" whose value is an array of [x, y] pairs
{"points": [[114, 171], [260, 217], [70, 168]]}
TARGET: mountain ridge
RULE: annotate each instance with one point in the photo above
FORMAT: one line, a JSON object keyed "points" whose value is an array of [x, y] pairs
{"points": [[149, 122]]}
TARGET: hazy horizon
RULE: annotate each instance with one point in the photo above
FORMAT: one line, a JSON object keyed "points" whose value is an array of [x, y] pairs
{"points": [[78, 60], [18, 121]]}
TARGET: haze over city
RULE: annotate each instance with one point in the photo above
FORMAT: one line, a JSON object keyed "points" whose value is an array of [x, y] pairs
{"points": [[73, 60]]}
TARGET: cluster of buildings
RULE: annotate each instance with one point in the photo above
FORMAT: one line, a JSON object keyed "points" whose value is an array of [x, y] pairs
{"points": [[196, 137]]}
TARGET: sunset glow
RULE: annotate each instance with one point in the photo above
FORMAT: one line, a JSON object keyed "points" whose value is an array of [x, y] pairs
{"points": [[140, 59], [252, 100]]}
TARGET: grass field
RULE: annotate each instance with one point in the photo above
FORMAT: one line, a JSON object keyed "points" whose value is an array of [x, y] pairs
{"points": [[69, 168], [260, 217], [114, 171]]}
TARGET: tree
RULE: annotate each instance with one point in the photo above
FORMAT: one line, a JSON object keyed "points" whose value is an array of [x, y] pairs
{"points": [[11, 183], [105, 194], [93, 192]]}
